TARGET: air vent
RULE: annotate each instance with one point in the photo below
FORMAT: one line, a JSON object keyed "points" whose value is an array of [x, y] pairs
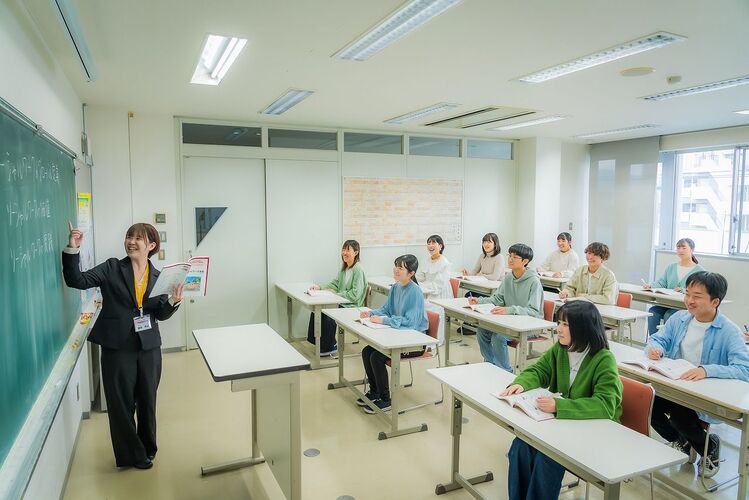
{"points": [[479, 117]]}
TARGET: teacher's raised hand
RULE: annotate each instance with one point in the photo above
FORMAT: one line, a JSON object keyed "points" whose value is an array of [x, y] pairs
{"points": [[75, 237]]}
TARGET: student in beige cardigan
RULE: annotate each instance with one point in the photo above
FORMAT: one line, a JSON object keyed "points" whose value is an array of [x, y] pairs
{"points": [[594, 281]]}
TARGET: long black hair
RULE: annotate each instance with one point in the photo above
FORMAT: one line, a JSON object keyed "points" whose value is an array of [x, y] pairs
{"points": [[586, 326], [410, 263]]}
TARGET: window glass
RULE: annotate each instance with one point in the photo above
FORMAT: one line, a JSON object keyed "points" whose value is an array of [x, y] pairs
{"points": [[354, 142], [223, 135], [434, 146], [497, 150], [302, 139]]}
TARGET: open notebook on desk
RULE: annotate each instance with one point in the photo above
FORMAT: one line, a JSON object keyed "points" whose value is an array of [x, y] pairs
{"points": [[526, 402], [671, 368], [481, 308], [368, 322]]}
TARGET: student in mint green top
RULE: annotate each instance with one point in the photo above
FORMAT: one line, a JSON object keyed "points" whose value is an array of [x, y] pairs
{"points": [[520, 293], [403, 310], [581, 368], [351, 284], [674, 277]]}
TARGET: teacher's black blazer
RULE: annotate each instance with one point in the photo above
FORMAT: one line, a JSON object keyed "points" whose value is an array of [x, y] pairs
{"points": [[115, 280]]}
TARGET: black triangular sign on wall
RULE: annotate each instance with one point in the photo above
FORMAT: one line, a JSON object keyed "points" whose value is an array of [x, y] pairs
{"points": [[205, 219]]}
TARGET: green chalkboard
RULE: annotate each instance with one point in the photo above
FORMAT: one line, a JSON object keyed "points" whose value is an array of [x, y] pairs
{"points": [[37, 310]]}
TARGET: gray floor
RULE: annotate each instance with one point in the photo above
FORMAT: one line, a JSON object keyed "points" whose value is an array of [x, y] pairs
{"points": [[202, 422]]}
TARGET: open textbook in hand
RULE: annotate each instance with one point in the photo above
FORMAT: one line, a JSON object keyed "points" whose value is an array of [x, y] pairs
{"points": [[481, 308], [193, 274], [671, 368], [526, 401]]}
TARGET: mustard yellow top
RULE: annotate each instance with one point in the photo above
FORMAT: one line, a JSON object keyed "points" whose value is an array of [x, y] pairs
{"points": [[140, 287]]}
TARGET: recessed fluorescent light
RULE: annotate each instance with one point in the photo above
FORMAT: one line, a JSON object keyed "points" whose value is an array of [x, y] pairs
{"points": [[616, 131], [403, 21], [537, 121], [219, 53], [654, 41], [743, 112], [419, 113], [286, 101], [699, 89]]}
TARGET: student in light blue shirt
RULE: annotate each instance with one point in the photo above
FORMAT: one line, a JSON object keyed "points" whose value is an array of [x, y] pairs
{"points": [[711, 342], [674, 277], [404, 310]]}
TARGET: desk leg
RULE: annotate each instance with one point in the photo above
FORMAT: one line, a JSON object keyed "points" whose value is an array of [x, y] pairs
{"points": [[611, 491], [395, 395], [288, 318], [256, 457], [456, 428], [341, 355], [447, 339], [522, 355], [743, 458]]}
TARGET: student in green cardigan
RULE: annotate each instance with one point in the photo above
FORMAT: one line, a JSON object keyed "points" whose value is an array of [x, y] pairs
{"points": [[350, 283], [581, 368]]}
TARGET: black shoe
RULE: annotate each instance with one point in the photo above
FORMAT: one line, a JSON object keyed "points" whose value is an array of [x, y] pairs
{"points": [[147, 464], [464, 330], [151, 457], [382, 404], [370, 396]]}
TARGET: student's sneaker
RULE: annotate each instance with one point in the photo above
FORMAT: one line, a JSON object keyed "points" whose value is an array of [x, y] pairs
{"points": [[369, 395], [382, 404], [685, 448], [464, 330], [710, 464], [329, 353]]}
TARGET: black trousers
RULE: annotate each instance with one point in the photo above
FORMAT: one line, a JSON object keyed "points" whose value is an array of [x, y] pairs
{"points": [[377, 374], [130, 378], [327, 332], [676, 422]]}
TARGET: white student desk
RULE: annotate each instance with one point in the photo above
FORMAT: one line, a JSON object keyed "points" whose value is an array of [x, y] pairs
{"points": [[255, 358], [390, 342], [601, 452], [556, 283], [295, 291], [510, 325], [724, 399], [381, 284], [487, 287], [641, 295], [614, 316]]}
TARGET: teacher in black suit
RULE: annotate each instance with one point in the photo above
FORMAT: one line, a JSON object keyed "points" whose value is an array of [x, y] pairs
{"points": [[127, 330]]}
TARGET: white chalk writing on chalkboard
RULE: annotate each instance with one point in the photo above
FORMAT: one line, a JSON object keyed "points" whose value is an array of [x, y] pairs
{"points": [[31, 210], [29, 167], [22, 256]]}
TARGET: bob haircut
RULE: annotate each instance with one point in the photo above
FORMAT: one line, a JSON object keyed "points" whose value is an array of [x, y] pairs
{"points": [[148, 233], [436, 238], [493, 238], [410, 263], [599, 249], [353, 245], [586, 326]]}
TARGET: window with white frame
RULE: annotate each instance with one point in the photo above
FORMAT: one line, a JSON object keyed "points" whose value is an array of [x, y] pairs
{"points": [[709, 201]]}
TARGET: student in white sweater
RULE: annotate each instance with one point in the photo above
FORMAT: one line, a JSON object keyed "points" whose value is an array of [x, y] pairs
{"points": [[563, 261], [491, 262], [434, 278]]}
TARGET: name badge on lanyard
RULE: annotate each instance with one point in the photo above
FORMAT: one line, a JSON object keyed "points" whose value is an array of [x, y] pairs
{"points": [[142, 322]]}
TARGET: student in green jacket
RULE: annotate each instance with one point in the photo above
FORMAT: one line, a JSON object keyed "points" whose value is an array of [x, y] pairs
{"points": [[581, 368], [350, 284], [520, 294]]}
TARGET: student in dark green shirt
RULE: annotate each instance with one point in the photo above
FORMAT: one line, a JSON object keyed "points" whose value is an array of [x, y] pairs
{"points": [[581, 368]]}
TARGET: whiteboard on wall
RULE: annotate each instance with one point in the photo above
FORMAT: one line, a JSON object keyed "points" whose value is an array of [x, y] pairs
{"points": [[398, 211]]}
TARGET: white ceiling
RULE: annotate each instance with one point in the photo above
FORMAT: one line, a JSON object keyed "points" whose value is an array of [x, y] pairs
{"points": [[146, 51]]}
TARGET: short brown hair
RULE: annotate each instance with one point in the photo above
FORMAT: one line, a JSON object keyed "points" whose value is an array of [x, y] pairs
{"points": [[146, 231], [599, 249]]}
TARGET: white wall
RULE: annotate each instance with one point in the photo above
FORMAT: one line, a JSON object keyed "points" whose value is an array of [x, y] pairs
{"points": [[574, 192], [35, 84]]}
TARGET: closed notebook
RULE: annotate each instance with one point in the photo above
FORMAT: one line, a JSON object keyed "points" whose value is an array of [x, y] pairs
{"points": [[526, 402], [671, 368]]}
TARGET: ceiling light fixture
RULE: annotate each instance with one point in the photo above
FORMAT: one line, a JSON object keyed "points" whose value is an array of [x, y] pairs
{"points": [[654, 41], [219, 53], [403, 21], [743, 112], [537, 121], [290, 99], [419, 113], [616, 131], [699, 89]]}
